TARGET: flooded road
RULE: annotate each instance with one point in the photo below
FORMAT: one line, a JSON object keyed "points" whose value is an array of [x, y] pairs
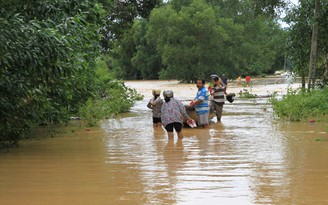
{"points": [[249, 158]]}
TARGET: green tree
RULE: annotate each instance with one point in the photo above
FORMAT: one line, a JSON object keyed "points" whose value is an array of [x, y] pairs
{"points": [[188, 40], [121, 42], [47, 51], [120, 18], [268, 7], [122, 53], [112, 97], [263, 42], [224, 43], [146, 58], [301, 19]]}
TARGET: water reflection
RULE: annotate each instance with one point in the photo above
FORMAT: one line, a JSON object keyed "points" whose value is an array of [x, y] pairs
{"points": [[174, 158]]}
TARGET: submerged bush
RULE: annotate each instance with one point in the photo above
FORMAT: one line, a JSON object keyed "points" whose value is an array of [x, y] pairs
{"points": [[298, 105], [246, 94], [112, 97]]}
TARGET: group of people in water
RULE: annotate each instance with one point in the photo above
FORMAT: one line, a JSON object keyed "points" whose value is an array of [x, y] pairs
{"points": [[171, 111]]}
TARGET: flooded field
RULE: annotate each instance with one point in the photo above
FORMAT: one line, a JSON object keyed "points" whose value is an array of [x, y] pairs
{"points": [[249, 158]]}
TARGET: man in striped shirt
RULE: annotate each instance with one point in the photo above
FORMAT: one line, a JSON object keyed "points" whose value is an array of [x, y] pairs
{"points": [[201, 104], [218, 91]]}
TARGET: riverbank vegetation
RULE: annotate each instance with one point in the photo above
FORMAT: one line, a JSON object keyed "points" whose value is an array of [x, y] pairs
{"points": [[112, 97], [299, 105], [64, 58], [49, 52]]}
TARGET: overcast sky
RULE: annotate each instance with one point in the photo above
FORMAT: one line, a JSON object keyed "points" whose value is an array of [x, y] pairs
{"points": [[283, 24], [294, 1]]}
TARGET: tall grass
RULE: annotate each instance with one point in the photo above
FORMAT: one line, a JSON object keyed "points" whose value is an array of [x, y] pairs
{"points": [[299, 105]]}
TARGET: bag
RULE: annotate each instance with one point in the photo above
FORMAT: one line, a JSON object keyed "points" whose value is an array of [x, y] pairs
{"points": [[230, 97]]}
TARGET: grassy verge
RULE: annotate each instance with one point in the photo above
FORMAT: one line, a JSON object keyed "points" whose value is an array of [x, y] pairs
{"points": [[111, 97], [298, 105], [117, 98]]}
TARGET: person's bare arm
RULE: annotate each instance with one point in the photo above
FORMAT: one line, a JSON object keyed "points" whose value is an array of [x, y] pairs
{"points": [[196, 102], [183, 110]]}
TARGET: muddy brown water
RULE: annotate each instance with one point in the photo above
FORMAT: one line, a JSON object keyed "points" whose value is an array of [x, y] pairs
{"points": [[249, 158]]}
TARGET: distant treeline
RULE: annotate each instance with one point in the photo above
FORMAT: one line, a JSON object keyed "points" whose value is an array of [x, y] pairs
{"points": [[188, 39], [192, 39]]}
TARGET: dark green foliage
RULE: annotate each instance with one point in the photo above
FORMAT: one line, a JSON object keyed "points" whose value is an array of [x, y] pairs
{"points": [[123, 42], [191, 39], [121, 15], [122, 53], [146, 58], [112, 97], [300, 105], [301, 19], [188, 41], [195, 39], [267, 7], [47, 50]]}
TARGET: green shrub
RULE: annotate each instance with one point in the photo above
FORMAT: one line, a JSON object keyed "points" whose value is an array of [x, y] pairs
{"points": [[299, 105], [246, 94], [117, 99], [47, 51], [111, 97]]}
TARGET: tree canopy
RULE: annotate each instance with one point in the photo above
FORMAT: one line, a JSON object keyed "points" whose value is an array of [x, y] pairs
{"points": [[194, 38], [48, 51], [302, 18]]}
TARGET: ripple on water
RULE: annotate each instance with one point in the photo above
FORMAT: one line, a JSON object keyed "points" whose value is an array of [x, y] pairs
{"points": [[249, 158]]}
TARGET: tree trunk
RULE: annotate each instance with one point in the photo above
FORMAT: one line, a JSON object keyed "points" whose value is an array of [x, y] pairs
{"points": [[303, 80], [325, 73], [314, 47]]}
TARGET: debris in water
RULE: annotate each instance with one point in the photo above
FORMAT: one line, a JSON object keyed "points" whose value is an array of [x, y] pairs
{"points": [[312, 120]]}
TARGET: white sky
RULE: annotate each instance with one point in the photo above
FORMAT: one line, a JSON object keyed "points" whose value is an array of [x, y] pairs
{"points": [[294, 2], [283, 24]]}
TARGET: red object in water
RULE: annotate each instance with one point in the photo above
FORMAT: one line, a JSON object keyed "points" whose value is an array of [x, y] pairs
{"points": [[312, 120]]}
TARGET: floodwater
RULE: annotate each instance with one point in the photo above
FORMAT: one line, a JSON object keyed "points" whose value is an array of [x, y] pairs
{"points": [[249, 158]]}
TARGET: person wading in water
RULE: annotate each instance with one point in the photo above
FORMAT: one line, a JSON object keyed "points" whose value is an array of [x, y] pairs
{"points": [[201, 104], [218, 91], [171, 113], [155, 103]]}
